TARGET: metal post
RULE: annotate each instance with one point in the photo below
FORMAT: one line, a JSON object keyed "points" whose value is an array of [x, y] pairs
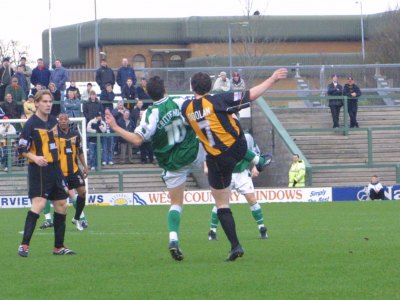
{"points": [[230, 49], [96, 36], [50, 42], [121, 181], [370, 158], [345, 116], [98, 150], [362, 30]]}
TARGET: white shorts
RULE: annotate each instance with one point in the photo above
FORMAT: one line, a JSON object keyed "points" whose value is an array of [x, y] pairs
{"points": [[175, 178], [242, 182]]}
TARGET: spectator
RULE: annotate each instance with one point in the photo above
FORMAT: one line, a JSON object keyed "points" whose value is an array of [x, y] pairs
{"points": [[141, 93], [118, 112], [146, 150], [222, 84], [105, 75], [85, 94], [297, 172], [96, 125], [6, 73], [59, 76], [74, 88], [128, 93], [335, 89], [107, 144], [27, 71], [72, 105], [30, 107], [375, 189], [135, 112], [5, 146], [40, 74], [38, 87], [237, 83], [10, 108], [17, 92], [126, 147], [125, 72], [2, 113], [92, 107], [107, 97], [352, 91], [19, 74], [56, 107]]}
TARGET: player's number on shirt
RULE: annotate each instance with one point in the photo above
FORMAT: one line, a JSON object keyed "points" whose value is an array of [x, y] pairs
{"points": [[205, 125], [176, 132]]}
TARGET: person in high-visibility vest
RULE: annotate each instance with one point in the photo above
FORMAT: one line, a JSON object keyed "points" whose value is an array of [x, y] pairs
{"points": [[297, 172]]}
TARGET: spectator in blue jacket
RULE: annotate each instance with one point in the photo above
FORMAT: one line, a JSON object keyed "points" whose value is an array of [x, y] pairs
{"points": [[59, 76], [107, 97], [72, 105], [40, 74], [23, 83], [125, 72]]}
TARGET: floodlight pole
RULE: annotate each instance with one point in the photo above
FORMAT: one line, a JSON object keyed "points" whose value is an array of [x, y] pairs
{"points": [[50, 42], [244, 24], [96, 36], [362, 30]]}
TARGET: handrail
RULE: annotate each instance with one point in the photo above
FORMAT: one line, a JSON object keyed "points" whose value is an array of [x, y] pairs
{"points": [[282, 132]]}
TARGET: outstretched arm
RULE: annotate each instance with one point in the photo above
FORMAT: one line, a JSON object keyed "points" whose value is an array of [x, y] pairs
{"points": [[258, 90], [133, 138]]}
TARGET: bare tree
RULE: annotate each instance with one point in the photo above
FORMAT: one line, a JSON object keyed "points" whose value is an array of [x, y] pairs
{"points": [[384, 44], [12, 49]]}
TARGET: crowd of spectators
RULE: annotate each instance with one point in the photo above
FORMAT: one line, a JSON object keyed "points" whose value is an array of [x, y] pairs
{"points": [[19, 84]]}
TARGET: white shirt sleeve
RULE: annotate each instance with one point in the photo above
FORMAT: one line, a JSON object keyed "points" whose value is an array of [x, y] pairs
{"points": [[148, 124]]}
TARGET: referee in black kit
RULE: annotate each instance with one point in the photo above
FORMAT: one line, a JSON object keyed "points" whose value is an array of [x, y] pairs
{"points": [[39, 144]]}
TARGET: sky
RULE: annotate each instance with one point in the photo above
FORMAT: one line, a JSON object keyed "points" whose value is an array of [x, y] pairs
{"points": [[26, 21]]}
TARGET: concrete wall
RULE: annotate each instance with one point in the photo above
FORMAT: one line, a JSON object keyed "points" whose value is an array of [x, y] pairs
{"points": [[276, 174]]}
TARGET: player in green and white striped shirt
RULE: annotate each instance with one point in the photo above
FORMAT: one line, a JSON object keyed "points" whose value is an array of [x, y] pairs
{"points": [[175, 146]]}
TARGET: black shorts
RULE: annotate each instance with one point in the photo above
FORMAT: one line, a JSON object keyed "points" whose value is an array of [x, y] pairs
{"points": [[47, 182], [220, 167], [75, 180]]}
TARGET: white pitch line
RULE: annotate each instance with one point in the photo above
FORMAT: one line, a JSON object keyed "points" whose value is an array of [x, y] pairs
{"points": [[96, 233]]}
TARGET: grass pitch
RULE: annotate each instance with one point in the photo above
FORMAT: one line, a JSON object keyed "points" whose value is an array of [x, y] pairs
{"points": [[345, 250]]}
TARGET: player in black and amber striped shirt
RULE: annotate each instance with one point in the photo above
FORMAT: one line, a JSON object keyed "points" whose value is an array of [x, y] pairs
{"points": [[70, 151], [39, 144], [211, 117]]}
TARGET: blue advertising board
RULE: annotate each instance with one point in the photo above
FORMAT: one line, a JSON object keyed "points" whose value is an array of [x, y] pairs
{"points": [[359, 193]]}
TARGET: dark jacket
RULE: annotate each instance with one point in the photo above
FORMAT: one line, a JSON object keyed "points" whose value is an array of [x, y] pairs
{"points": [[135, 115], [105, 75], [128, 93], [131, 128], [142, 95], [56, 107], [74, 89], [123, 74], [335, 91], [348, 89], [5, 76], [109, 98], [117, 114], [41, 76], [11, 110], [92, 109]]}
